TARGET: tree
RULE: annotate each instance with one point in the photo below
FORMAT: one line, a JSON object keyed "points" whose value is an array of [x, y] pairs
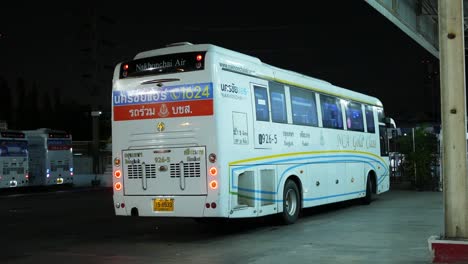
{"points": [[420, 157], [5, 106]]}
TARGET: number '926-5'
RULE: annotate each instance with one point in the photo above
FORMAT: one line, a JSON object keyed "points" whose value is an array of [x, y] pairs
{"points": [[267, 139]]}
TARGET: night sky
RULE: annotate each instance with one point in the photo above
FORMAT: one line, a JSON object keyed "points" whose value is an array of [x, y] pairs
{"points": [[59, 60]]}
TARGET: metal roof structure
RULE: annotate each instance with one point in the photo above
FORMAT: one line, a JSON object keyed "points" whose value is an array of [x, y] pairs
{"points": [[418, 19]]}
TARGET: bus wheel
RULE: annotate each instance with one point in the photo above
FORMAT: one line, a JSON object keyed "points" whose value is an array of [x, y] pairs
{"points": [[291, 203], [366, 200]]}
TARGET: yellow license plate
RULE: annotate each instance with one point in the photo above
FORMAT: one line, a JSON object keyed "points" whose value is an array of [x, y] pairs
{"points": [[163, 205]]}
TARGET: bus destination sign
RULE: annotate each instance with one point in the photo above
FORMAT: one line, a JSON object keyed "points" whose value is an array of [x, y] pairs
{"points": [[164, 64]]}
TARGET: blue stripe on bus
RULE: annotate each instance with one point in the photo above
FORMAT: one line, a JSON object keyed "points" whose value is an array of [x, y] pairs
{"points": [[380, 179], [255, 191], [308, 199], [319, 162], [314, 157], [166, 94], [357, 158], [331, 196]]}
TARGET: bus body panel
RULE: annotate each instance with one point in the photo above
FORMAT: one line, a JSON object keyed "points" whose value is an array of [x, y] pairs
{"points": [[169, 171], [254, 158]]}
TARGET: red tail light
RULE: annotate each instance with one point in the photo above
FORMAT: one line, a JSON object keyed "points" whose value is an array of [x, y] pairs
{"points": [[214, 184], [118, 186], [213, 171]]}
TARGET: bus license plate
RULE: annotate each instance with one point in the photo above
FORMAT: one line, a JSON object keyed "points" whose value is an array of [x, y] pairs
{"points": [[163, 205]]}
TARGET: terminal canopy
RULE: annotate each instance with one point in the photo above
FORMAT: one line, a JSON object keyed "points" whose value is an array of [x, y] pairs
{"points": [[417, 18]]}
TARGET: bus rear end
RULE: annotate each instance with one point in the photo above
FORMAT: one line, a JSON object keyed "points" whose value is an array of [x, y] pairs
{"points": [[13, 159], [162, 135], [51, 157], [59, 159]]}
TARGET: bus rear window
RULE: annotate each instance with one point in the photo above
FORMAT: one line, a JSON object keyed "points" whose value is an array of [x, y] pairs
{"points": [[59, 144], [13, 148], [164, 64]]}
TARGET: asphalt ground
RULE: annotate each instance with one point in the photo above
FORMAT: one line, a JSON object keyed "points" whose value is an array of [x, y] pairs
{"points": [[78, 225]]}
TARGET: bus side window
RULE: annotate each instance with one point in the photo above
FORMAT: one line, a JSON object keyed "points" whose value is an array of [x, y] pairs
{"points": [[354, 119], [261, 103], [383, 140], [304, 109], [331, 112], [278, 103], [370, 119]]}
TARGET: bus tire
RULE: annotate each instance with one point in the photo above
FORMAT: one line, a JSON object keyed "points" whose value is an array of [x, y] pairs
{"points": [[366, 200], [291, 203]]}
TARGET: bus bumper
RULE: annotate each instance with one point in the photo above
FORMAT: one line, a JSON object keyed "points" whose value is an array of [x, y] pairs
{"points": [[182, 206]]}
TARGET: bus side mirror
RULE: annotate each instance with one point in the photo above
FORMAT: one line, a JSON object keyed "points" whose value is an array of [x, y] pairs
{"points": [[389, 122]]}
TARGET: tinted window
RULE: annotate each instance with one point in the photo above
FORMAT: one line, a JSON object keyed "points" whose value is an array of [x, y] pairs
{"points": [[383, 141], [13, 148], [370, 119], [303, 106], [331, 112], [380, 114], [261, 103], [278, 103], [354, 119]]}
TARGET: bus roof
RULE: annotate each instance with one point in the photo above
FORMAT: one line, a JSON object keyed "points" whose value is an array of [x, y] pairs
{"points": [[281, 75], [47, 131], [11, 133]]}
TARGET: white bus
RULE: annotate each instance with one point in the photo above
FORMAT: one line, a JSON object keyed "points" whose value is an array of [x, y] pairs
{"points": [[13, 159], [50, 157], [202, 131]]}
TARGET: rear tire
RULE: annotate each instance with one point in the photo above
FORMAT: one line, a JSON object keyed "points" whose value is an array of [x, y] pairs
{"points": [[291, 203], [366, 200]]}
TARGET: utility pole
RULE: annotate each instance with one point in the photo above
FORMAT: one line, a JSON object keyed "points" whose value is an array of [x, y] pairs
{"points": [[95, 148], [452, 73], [414, 162], [453, 246]]}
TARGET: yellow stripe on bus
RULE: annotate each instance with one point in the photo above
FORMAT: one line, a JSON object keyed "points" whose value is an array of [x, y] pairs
{"points": [[237, 162]]}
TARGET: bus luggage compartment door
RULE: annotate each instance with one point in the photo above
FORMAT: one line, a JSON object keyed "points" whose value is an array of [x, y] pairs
{"points": [[168, 171]]}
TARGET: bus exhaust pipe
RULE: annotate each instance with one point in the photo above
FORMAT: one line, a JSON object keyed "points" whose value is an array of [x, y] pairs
{"points": [[134, 211]]}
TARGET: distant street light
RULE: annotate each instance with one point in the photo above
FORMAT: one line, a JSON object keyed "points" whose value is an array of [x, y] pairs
{"points": [[96, 113]]}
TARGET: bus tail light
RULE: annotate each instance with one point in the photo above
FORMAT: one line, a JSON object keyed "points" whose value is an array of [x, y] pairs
{"points": [[117, 174], [26, 176], [118, 186], [214, 184], [213, 171], [117, 162]]}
